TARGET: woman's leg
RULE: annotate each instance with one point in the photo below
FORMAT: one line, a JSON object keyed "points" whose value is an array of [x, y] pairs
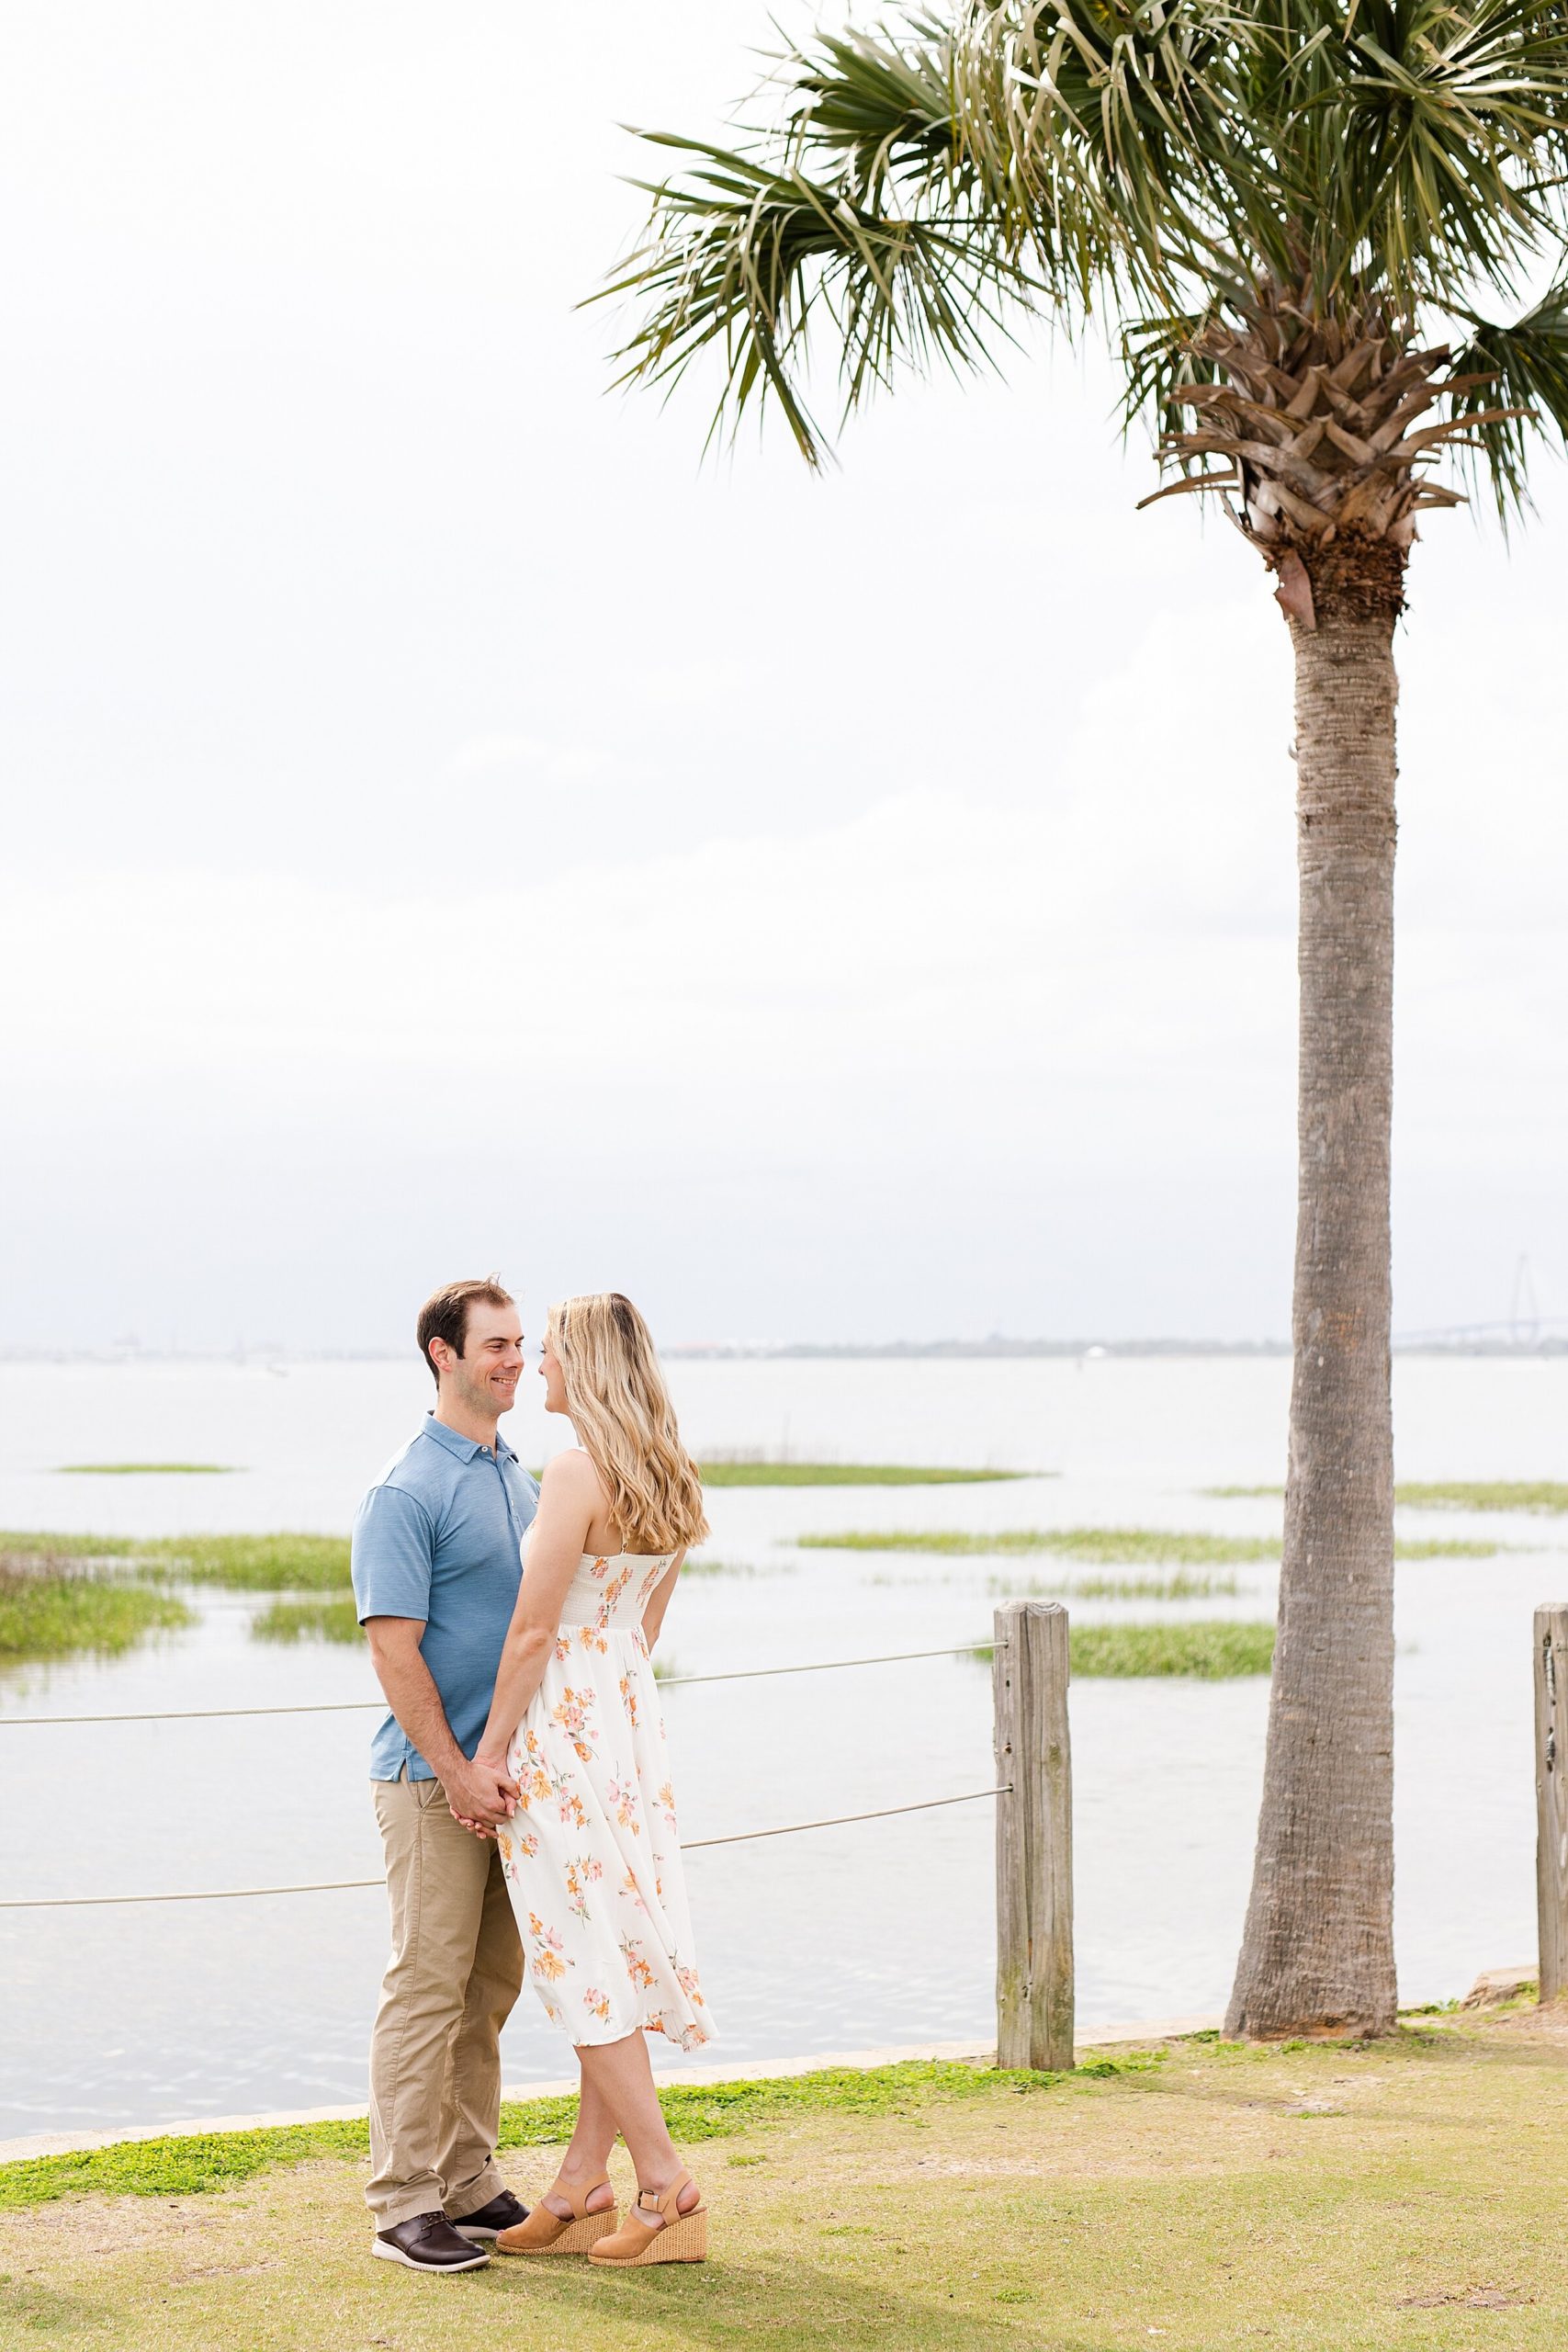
{"points": [[620, 2078], [588, 2156]]}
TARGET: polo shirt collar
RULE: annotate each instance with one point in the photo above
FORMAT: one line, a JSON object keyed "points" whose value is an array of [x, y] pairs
{"points": [[467, 1449]]}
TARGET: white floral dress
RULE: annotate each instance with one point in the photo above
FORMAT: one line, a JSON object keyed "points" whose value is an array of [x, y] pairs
{"points": [[590, 1856]]}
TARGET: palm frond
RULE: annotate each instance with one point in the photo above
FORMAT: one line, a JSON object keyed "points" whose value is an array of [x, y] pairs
{"points": [[1315, 183], [1522, 368], [742, 254], [861, 206]]}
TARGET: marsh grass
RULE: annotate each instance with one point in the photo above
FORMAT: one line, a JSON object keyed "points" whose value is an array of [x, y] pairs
{"points": [[27, 1543], [1207, 1650], [1179, 1587], [48, 1612], [246, 1563], [741, 1470], [1431, 1548], [306, 1620], [1532, 1495], [147, 1470], [1176, 1547], [1448, 1494], [1181, 1547]]}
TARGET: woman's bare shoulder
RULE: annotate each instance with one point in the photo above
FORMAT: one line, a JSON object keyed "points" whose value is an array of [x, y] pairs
{"points": [[572, 1478], [569, 1468]]}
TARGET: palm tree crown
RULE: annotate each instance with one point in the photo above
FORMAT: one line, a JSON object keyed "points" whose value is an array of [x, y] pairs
{"points": [[1298, 215]]}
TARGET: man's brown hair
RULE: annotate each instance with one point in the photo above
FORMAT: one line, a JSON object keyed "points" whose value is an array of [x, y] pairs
{"points": [[445, 1314]]}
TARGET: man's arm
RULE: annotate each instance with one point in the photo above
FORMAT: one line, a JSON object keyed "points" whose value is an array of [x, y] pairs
{"points": [[474, 1790]]}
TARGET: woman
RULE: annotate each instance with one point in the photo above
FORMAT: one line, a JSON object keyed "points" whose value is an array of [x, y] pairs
{"points": [[590, 1853]]}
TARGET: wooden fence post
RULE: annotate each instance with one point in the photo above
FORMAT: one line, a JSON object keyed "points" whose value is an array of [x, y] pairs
{"points": [[1551, 1796], [1034, 1836]]}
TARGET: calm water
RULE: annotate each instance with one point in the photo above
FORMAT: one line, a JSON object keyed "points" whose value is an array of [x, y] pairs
{"points": [[843, 1939]]}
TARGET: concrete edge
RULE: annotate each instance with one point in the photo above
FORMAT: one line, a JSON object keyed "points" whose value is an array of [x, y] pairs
{"points": [[55, 2143]]}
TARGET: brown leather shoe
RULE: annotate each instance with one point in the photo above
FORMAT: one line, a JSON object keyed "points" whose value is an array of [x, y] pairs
{"points": [[428, 2242], [502, 2213]]}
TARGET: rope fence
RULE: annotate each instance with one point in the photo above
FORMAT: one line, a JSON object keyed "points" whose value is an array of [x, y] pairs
{"points": [[355, 1706], [348, 1706], [1031, 1789], [354, 1885]]}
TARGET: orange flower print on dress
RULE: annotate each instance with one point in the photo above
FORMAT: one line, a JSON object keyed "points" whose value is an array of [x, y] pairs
{"points": [[571, 1713], [623, 1798], [667, 1803], [628, 1699], [638, 1967], [549, 1961], [597, 2004], [581, 1874], [612, 1594]]}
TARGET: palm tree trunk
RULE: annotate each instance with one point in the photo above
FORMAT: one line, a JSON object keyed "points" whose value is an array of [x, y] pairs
{"points": [[1317, 1954]]}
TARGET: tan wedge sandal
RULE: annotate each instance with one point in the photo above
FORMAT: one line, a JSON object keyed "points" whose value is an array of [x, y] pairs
{"points": [[684, 2237], [546, 2233]]}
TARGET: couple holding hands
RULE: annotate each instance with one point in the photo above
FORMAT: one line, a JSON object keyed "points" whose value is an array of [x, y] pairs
{"points": [[523, 1787]]}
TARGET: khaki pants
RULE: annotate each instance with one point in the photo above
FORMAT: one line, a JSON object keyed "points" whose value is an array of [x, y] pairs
{"points": [[454, 1973]]}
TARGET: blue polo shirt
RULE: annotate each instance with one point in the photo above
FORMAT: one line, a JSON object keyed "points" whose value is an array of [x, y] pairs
{"points": [[439, 1537]]}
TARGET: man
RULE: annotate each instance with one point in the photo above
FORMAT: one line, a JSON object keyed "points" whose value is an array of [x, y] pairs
{"points": [[438, 1561]]}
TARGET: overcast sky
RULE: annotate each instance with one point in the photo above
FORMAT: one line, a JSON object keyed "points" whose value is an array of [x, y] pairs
{"points": [[449, 825]]}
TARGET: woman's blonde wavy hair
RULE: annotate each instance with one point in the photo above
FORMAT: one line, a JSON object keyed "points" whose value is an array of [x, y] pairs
{"points": [[625, 1422]]}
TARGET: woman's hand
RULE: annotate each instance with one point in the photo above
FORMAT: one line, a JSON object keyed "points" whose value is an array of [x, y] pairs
{"points": [[494, 1767]]}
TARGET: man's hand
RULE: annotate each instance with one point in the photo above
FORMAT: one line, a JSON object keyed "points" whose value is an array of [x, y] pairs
{"points": [[479, 1794]]}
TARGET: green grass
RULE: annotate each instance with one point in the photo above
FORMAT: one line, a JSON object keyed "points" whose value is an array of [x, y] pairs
{"points": [[306, 1620], [1452, 1494], [1212, 1649], [1179, 1587], [1534, 1494], [1183, 1547], [1404, 2196], [1424, 1548], [45, 1616], [1178, 1546], [146, 1469], [28, 1544], [698, 1565], [199, 2162], [248, 1562], [1209, 1650], [722, 1473]]}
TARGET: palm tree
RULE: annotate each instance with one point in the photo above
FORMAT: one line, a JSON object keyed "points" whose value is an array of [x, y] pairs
{"points": [[1294, 219]]}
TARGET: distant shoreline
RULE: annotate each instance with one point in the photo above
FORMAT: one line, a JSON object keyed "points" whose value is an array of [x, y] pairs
{"points": [[996, 1349]]}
